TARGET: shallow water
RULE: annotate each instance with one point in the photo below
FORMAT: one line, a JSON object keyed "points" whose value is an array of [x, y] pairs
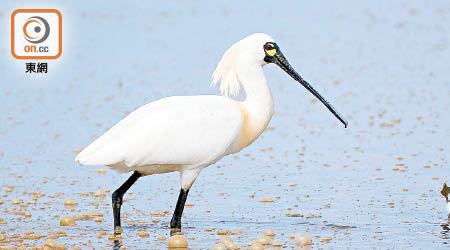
{"points": [[374, 185]]}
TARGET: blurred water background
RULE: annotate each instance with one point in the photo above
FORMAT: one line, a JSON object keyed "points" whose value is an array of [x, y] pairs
{"points": [[385, 65]]}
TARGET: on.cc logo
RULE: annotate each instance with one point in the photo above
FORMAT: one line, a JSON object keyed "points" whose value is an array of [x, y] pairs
{"points": [[36, 34], [36, 29]]}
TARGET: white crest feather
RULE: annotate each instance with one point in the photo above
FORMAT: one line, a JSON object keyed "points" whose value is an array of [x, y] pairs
{"points": [[245, 51], [226, 73]]}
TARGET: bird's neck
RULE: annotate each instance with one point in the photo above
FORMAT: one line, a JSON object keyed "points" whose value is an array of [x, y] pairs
{"points": [[259, 100], [257, 109]]}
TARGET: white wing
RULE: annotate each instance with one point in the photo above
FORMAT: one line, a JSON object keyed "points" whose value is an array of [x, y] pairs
{"points": [[185, 130]]}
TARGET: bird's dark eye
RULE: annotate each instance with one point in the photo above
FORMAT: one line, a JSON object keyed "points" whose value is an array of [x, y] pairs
{"points": [[270, 49]]}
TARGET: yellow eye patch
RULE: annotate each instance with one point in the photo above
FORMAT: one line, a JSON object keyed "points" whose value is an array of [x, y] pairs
{"points": [[271, 52]]}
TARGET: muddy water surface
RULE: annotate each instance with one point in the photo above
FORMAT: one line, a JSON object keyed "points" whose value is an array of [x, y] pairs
{"points": [[373, 185]]}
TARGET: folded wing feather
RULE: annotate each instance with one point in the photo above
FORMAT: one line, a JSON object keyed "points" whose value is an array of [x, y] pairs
{"points": [[186, 130]]}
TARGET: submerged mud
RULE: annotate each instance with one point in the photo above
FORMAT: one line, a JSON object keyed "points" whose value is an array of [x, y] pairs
{"points": [[305, 183]]}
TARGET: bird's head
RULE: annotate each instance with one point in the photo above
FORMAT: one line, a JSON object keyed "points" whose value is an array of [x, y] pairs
{"points": [[261, 49]]}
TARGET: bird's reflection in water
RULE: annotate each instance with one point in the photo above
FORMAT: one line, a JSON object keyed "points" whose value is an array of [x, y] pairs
{"points": [[445, 230], [445, 233], [117, 244]]}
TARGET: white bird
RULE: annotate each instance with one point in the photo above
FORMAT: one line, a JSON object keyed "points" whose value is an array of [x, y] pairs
{"points": [[189, 133]]}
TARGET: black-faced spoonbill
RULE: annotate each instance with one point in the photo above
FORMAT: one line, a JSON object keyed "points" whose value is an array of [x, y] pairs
{"points": [[189, 133]]}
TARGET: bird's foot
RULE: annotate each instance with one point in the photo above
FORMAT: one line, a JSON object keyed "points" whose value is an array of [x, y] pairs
{"points": [[174, 231], [118, 230]]}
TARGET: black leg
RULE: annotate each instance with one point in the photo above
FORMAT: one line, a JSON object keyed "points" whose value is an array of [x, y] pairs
{"points": [[117, 198], [175, 223]]}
